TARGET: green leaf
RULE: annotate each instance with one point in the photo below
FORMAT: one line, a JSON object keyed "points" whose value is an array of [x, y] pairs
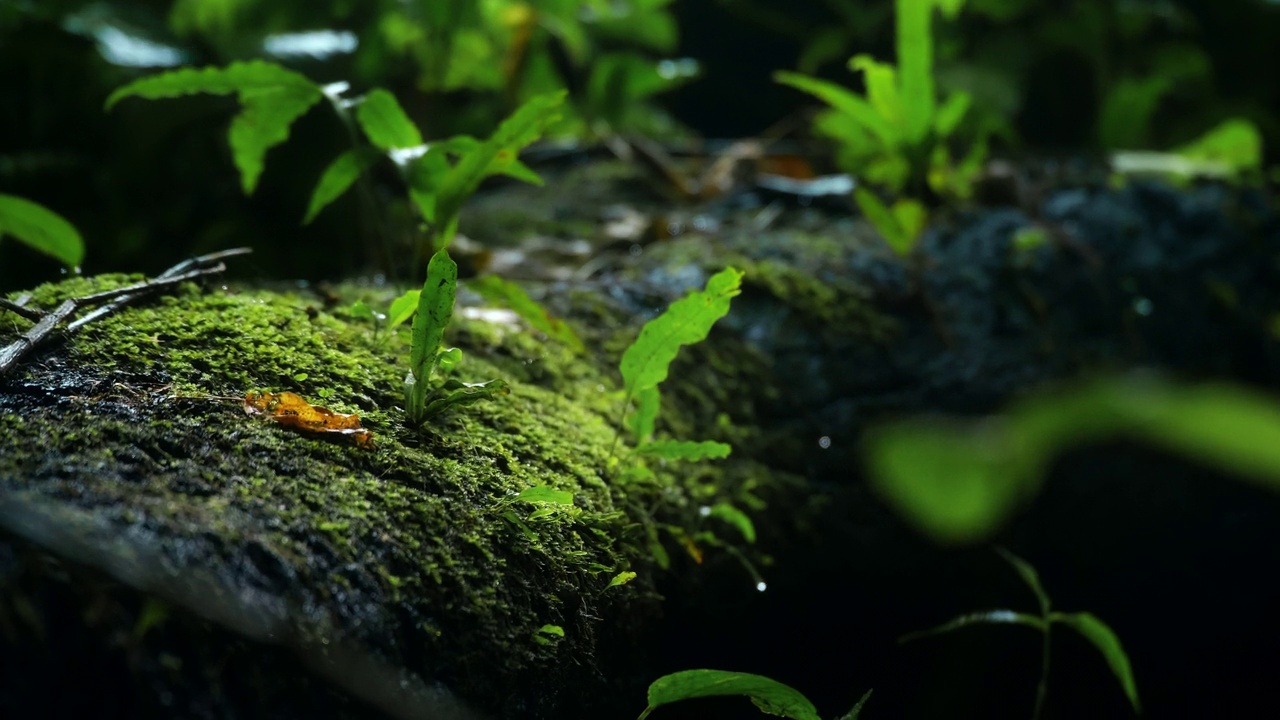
{"points": [[1029, 576], [621, 578], [435, 311], [385, 123], [646, 362], [959, 480], [736, 518], [856, 108], [548, 634], [457, 394], [544, 494], [986, 617], [512, 296], [337, 179], [884, 220], [41, 229], [494, 156], [685, 450], [271, 99], [771, 696], [1236, 143], [642, 421], [1107, 643], [915, 63], [951, 113], [1124, 121], [402, 308], [882, 87]]}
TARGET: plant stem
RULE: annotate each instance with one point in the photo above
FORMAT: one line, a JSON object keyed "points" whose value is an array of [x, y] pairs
{"points": [[1042, 689]]}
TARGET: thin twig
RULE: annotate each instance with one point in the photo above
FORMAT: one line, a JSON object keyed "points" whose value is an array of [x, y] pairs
{"points": [[47, 322], [20, 308]]}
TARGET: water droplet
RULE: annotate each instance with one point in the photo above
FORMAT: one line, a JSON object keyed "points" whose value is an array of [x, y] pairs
{"points": [[1143, 306], [704, 511], [761, 586], [824, 442]]}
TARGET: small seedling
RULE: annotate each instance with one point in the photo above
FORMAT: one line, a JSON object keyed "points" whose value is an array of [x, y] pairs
{"points": [[896, 135], [1090, 627]]}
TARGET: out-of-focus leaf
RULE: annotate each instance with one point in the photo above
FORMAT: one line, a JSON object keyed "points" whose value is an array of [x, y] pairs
{"points": [[736, 518], [41, 229], [856, 108], [1029, 576], [986, 617], [1236, 143], [685, 450], [544, 494], [915, 67], [403, 308], [385, 123], [1127, 110], [512, 296]]}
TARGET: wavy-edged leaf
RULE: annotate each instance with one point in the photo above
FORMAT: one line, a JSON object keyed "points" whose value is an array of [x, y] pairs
{"points": [[769, 695], [1107, 643], [337, 179], [512, 296], [385, 123], [685, 450], [855, 107], [494, 156], [41, 229], [688, 320], [271, 99], [435, 311]]}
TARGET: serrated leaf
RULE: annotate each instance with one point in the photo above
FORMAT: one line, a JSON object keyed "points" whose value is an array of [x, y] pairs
{"points": [[41, 229], [435, 311], [685, 450], [337, 179], [986, 617], [385, 123], [494, 156], [544, 494], [1107, 643], [621, 578], [513, 297], [271, 99], [736, 518], [646, 362], [402, 308], [769, 695]]}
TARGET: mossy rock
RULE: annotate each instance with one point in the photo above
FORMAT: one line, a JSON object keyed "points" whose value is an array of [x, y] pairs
{"points": [[213, 564]]}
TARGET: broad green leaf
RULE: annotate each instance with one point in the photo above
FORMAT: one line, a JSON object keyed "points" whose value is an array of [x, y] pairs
{"points": [[646, 362], [336, 179], [915, 66], [884, 220], [447, 360], [512, 296], [856, 108], [385, 123], [621, 578], [771, 696], [435, 311], [960, 480], [494, 156], [986, 617], [544, 494], [402, 308], [462, 394], [951, 113], [642, 421], [736, 518], [1235, 143], [361, 311], [1029, 576], [685, 450], [911, 217], [41, 229], [1107, 643], [271, 99]]}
